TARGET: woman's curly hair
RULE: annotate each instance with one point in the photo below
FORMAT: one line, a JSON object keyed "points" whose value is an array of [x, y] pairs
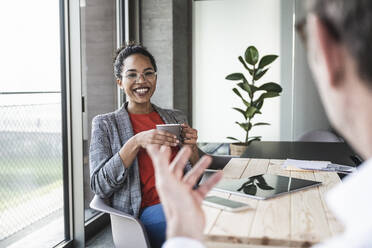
{"points": [[125, 51]]}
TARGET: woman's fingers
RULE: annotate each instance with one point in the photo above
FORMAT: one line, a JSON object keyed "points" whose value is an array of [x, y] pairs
{"points": [[164, 138], [189, 142], [164, 133], [162, 142], [194, 174], [190, 135], [209, 184]]}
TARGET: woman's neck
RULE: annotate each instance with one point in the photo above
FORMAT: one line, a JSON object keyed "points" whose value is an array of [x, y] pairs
{"points": [[140, 108]]}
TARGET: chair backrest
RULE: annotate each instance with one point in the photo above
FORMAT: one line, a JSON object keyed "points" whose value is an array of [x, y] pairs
{"points": [[127, 231], [218, 161], [320, 136]]}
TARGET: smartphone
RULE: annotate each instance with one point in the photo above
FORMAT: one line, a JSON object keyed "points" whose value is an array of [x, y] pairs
{"points": [[225, 204]]}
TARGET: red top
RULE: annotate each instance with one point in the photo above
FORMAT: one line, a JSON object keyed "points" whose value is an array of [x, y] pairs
{"points": [[140, 123]]}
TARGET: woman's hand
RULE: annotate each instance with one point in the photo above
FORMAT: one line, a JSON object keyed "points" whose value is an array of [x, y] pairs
{"points": [[189, 134], [158, 137], [190, 137]]}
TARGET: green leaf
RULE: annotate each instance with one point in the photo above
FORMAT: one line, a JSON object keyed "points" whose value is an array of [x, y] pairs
{"points": [[250, 189], [264, 186], [245, 65], [245, 86], [232, 138], [235, 76], [241, 111], [243, 62], [247, 104], [266, 60], [245, 125], [259, 74], [256, 138], [273, 87], [261, 124], [253, 88], [258, 104], [267, 95], [251, 111], [249, 126], [251, 55], [270, 94], [236, 91], [251, 71]]}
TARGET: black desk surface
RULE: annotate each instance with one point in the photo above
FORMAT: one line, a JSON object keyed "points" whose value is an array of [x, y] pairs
{"points": [[339, 153]]}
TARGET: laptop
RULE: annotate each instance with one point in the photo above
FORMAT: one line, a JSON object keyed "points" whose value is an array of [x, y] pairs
{"points": [[264, 186]]}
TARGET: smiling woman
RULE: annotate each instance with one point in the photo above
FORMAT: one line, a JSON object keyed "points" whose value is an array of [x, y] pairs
{"points": [[120, 168]]}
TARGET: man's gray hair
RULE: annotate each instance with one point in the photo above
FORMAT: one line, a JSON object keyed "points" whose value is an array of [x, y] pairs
{"points": [[349, 22]]}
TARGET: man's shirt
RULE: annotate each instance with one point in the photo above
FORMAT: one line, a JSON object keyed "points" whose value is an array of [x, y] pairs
{"points": [[351, 203]]}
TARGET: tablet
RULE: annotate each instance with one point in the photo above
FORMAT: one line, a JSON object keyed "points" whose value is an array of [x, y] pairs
{"points": [[264, 186]]}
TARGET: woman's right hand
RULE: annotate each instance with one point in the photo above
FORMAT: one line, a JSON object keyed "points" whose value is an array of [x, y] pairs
{"points": [[155, 136]]}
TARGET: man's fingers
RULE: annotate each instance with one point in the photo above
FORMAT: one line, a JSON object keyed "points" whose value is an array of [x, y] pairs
{"points": [[160, 156], [193, 175], [209, 184], [153, 149], [179, 162], [161, 142]]}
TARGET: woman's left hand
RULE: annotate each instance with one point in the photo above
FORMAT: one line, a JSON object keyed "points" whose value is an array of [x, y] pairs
{"points": [[189, 134]]}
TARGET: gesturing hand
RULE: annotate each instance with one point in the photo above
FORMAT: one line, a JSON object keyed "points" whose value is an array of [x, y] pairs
{"points": [[181, 204], [155, 136]]}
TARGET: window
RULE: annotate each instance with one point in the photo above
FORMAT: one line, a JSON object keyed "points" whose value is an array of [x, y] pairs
{"points": [[31, 158]]}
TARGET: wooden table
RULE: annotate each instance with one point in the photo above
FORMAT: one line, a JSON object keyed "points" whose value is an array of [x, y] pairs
{"points": [[299, 219]]}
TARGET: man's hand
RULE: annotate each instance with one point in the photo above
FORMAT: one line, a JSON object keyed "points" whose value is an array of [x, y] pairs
{"points": [[181, 204]]}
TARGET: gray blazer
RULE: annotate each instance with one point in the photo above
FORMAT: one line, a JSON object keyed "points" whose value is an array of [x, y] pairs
{"points": [[109, 178]]}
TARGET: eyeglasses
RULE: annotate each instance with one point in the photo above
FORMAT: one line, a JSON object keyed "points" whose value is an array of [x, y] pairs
{"points": [[135, 76], [301, 30], [331, 28]]}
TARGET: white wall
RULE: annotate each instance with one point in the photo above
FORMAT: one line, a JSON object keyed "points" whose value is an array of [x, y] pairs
{"points": [[222, 30], [308, 111]]}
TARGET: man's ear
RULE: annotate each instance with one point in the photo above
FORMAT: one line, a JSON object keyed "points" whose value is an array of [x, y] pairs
{"points": [[331, 50], [119, 82]]}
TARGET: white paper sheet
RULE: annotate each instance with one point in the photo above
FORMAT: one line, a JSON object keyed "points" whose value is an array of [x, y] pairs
{"points": [[305, 164]]}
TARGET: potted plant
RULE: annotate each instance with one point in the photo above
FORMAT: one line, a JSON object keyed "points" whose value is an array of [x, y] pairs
{"points": [[253, 95]]}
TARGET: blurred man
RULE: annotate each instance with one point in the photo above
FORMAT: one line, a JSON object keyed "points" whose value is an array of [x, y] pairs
{"points": [[338, 37]]}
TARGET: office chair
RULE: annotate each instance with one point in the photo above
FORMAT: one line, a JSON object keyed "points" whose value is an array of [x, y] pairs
{"points": [[218, 163], [320, 136], [127, 231]]}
